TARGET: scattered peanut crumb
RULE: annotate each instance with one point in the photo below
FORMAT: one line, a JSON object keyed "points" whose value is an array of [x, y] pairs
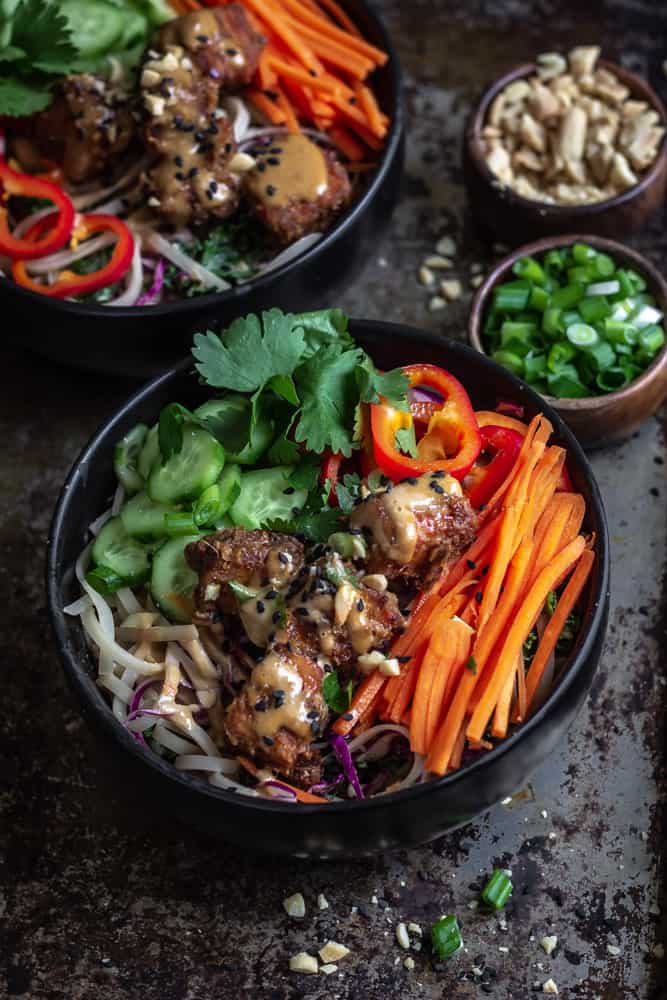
{"points": [[426, 275], [295, 906], [659, 950], [549, 987], [543, 813], [328, 969], [549, 943], [332, 951], [613, 949], [452, 289], [303, 962], [446, 246], [402, 935], [415, 929], [436, 303], [503, 949], [439, 262], [374, 900], [654, 910], [322, 902], [409, 963], [476, 280]]}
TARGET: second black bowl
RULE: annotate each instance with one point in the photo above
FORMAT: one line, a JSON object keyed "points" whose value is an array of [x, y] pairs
{"points": [[401, 819], [143, 340]]}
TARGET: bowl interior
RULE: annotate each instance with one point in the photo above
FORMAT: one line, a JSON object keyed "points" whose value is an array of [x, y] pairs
{"points": [[91, 483], [639, 88], [656, 284], [387, 83]]}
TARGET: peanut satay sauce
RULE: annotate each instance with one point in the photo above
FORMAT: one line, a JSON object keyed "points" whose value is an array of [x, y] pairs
{"points": [[291, 169]]}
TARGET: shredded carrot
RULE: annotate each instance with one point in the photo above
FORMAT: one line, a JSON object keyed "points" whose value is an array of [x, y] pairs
{"points": [[274, 18], [320, 82], [457, 752], [472, 555], [291, 120], [335, 8], [358, 121], [370, 108], [329, 30], [267, 107], [266, 77], [362, 698], [299, 792], [331, 52], [557, 621], [501, 716], [523, 622], [439, 659], [487, 418]]}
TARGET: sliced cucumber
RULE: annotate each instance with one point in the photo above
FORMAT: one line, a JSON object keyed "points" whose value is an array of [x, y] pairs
{"points": [[126, 456], [190, 471], [94, 25], [263, 498], [149, 454], [228, 420], [116, 550], [172, 580], [143, 518]]}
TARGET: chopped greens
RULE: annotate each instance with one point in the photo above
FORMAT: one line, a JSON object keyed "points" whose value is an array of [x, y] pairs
{"points": [[337, 697], [446, 937], [232, 250], [497, 890]]}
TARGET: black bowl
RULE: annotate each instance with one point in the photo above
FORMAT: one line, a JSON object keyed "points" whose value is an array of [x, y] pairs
{"points": [[401, 819], [143, 340]]}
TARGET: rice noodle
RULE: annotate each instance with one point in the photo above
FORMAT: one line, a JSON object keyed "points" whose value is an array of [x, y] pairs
{"points": [[63, 258], [191, 267], [117, 653], [128, 602], [374, 731], [22, 227], [197, 762], [240, 117], [76, 608], [86, 199], [135, 280], [299, 247]]}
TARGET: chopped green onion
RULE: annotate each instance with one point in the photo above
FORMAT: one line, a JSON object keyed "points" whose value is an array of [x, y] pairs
{"points": [[104, 580], [208, 507], [603, 288], [509, 360], [651, 339], [535, 367], [602, 266], [603, 355], [241, 592], [566, 384], [636, 280], [539, 298], [529, 269], [567, 296], [512, 297], [560, 354], [552, 322], [612, 379], [593, 308], [647, 316], [180, 524], [581, 335], [582, 253], [446, 937], [554, 260], [617, 331], [625, 285], [497, 890]]}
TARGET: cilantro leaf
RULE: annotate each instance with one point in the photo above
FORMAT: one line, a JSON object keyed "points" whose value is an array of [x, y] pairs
{"points": [[42, 31], [348, 491], [284, 451], [328, 396], [307, 473], [250, 352], [406, 441], [18, 98], [170, 429], [337, 697], [283, 385], [392, 385], [323, 327]]}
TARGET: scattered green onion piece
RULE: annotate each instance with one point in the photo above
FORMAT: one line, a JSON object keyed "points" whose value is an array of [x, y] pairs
{"points": [[560, 354], [567, 296], [497, 890], [566, 384], [611, 379], [651, 339], [617, 331], [104, 580], [446, 937], [594, 308], [180, 523], [528, 269], [512, 296], [603, 288], [636, 280], [539, 298], [509, 360], [579, 275], [241, 592], [625, 286], [602, 266], [582, 335], [534, 367], [602, 354], [552, 322], [208, 507], [554, 260], [582, 253]]}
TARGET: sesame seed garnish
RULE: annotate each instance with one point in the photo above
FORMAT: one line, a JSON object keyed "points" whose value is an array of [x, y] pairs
{"points": [[273, 161], [403, 659], [260, 607], [348, 716], [313, 714], [303, 612], [261, 705], [288, 492], [270, 190], [478, 596], [271, 637], [485, 571], [276, 616], [436, 487], [283, 558], [278, 697], [471, 564], [360, 605], [203, 39], [268, 740], [178, 160], [271, 595], [438, 474]]}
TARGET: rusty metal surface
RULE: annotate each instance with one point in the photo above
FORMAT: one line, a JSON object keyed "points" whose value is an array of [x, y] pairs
{"points": [[98, 898]]}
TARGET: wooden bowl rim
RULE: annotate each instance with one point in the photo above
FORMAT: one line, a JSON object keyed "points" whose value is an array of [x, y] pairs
{"points": [[640, 263], [473, 138]]}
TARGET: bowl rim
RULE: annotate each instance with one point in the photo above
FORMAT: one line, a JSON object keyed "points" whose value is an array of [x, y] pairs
{"points": [[473, 138], [613, 248], [81, 680], [184, 306]]}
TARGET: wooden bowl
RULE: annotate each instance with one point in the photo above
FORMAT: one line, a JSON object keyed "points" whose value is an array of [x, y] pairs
{"points": [[515, 219], [596, 420]]}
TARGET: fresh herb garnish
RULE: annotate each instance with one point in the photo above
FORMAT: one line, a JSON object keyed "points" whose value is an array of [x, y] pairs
{"points": [[170, 429], [338, 698], [232, 250], [471, 665], [37, 50], [406, 441]]}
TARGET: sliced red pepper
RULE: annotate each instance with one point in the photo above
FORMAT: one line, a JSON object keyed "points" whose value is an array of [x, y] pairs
{"points": [[452, 440], [331, 463], [502, 445], [68, 283], [62, 221]]}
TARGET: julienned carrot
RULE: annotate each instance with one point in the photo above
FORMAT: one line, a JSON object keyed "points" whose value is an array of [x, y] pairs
{"points": [[300, 794], [539, 430], [329, 30], [347, 144], [291, 120], [541, 488], [266, 76], [404, 690], [273, 17], [488, 418], [523, 622], [358, 121], [556, 623], [472, 555], [454, 659], [558, 525], [266, 106], [332, 52], [457, 752], [439, 658], [335, 8], [501, 716], [362, 698], [320, 82], [369, 106]]}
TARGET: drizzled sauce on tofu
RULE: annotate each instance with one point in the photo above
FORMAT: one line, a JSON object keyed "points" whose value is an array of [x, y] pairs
{"points": [[391, 515], [275, 675], [294, 169], [197, 30]]}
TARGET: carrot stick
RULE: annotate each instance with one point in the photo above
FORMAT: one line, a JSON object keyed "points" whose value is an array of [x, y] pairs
{"points": [[329, 30], [457, 752], [474, 554], [454, 661], [488, 418], [319, 83], [266, 77], [299, 792], [441, 655], [331, 52], [406, 688], [273, 17], [556, 528], [522, 701], [441, 751], [358, 121], [523, 622], [291, 120], [346, 22], [370, 108], [362, 698], [539, 431], [267, 107], [347, 144], [501, 716], [557, 621]]}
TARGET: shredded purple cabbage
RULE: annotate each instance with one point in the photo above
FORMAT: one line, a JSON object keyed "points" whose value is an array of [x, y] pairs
{"points": [[342, 751], [326, 786], [139, 693], [287, 792], [149, 297]]}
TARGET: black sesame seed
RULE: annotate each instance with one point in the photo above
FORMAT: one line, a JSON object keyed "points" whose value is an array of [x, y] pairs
{"points": [[360, 605], [276, 616], [179, 176], [478, 596], [213, 187], [301, 611], [352, 100], [288, 647], [260, 607], [471, 564], [271, 637], [313, 714], [273, 160], [276, 149], [283, 558], [271, 595], [193, 172], [261, 705], [410, 480], [231, 52], [278, 697], [354, 531], [178, 160], [436, 487], [288, 492], [214, 73], [348, 716], [270, 190], [271, 94], [203, 39], [312, 72], [261, 166], [295, 511], [482, 507], [269, 741], [438, 474], [403, 659], [485, 570]]}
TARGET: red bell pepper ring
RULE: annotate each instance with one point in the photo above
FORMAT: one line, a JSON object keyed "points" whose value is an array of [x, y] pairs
{"points": [[62, 221], [68, 283], [503, 445], [452, 440], [329, 472]]}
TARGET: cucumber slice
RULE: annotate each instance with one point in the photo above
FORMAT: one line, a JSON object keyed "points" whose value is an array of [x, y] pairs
{"points": [[149, 454], [228, 420], [116, 550], [94, 25], [217, 499], [172, 580], [190, 471], [126, 456], [143, 518], [263, 498]]}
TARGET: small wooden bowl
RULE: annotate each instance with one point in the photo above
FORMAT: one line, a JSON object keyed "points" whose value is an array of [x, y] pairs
{"points": [[515, 219], [596, 420]]}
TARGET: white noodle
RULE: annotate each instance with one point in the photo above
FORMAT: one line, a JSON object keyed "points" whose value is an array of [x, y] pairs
{"points": [[240, 117], [220, 781], [187, 264], [197, 762], [171, 741], [299, 247], [62, 259], [77, 608], [370, 734], [141, 723], [116, 686], [24, 225], [128, 602], [114, 650], [85, 199], [156, 633], [135, 278]]}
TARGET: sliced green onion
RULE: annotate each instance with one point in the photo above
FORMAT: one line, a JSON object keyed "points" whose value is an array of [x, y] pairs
{"points": [[612, 379], [651, 339], [625, 285], [180, 523], [594, 308], [617, 331], [509, 360], [579, 275], [552, 322], [646, 316], [208, 507], [539, 298], [560, 354], [566, 384], [567, 296], [603, 288], [446, 937], [529, 269], [512, 296], [602, 266], [582, 253], [602, 354], [241, 592], [636, 280], [554, 260], [582, 335], [535, 367], [497, 890], [104, 580]]}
